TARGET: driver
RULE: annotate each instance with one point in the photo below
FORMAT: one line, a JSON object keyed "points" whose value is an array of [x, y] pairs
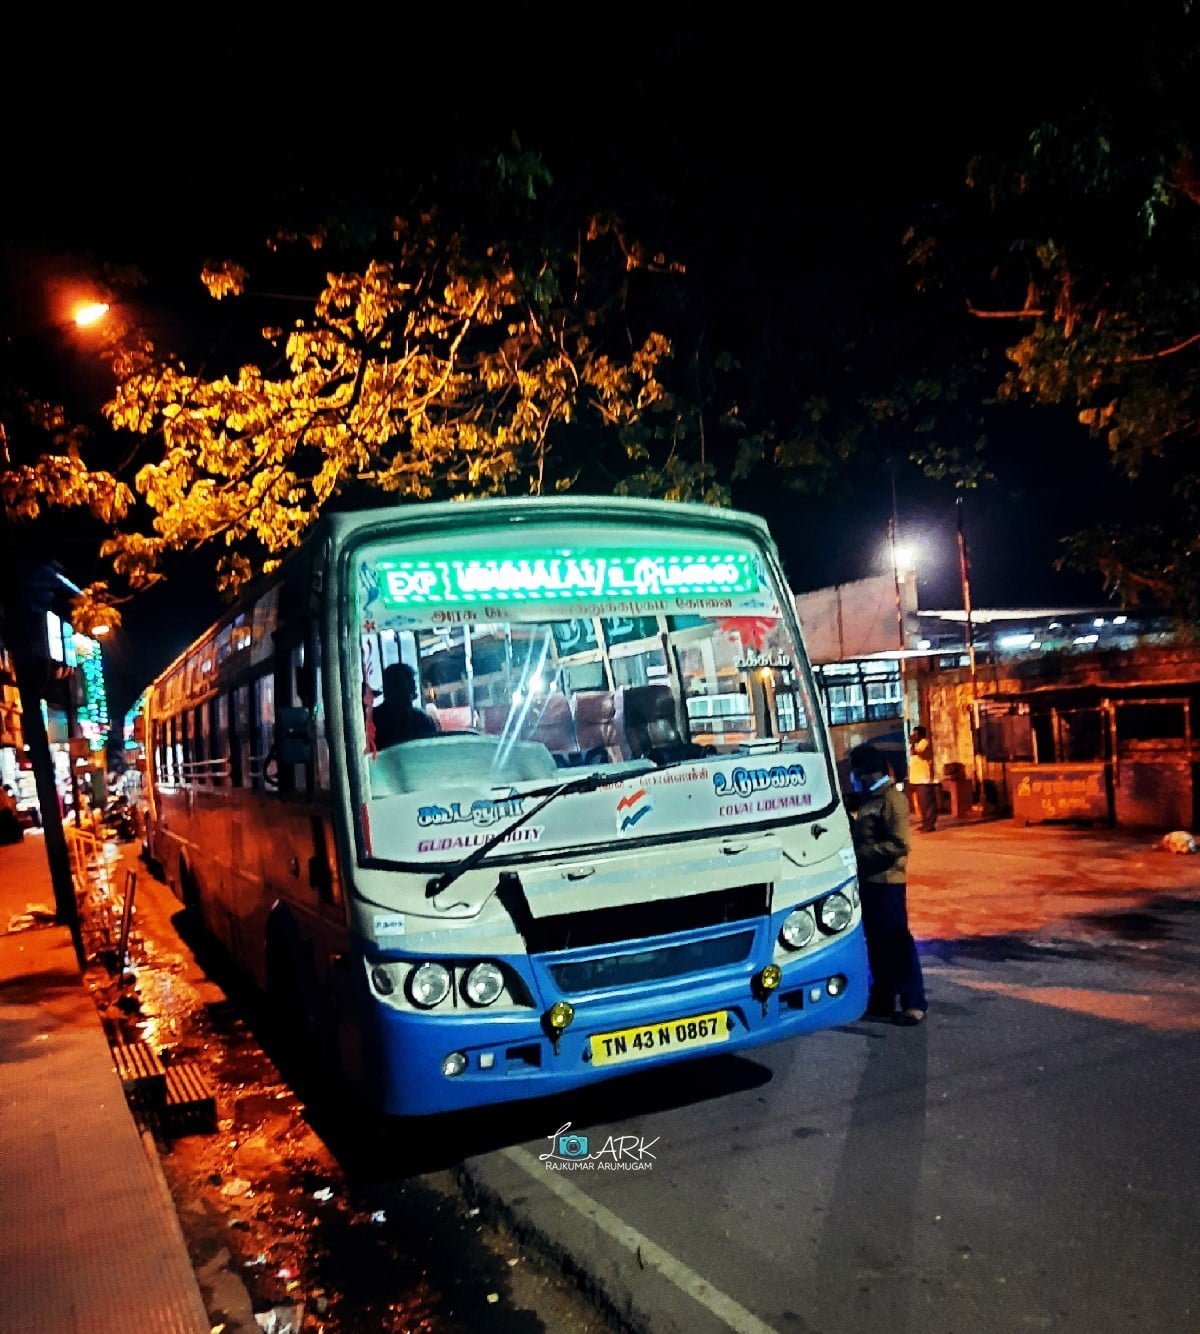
{"points": [[396, 717]]}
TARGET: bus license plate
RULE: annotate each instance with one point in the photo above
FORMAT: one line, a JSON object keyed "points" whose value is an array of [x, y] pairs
{"points": [[633, 1044]]}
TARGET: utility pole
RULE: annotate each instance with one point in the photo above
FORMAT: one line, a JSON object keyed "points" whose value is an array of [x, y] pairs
{"points": [[24, 617], [964, 569], [899, 626]]}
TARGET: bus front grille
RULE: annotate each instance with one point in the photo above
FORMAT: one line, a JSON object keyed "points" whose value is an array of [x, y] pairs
{"points": [[655, 965], [643, 921]]}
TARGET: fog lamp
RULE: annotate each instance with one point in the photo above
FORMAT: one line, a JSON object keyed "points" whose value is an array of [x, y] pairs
{"points": [[560, 1015], [454, 1064], [770, 977], [836, 985]]}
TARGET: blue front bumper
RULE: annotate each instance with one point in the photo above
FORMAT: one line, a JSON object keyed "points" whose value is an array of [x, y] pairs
{"points": [[510, 1055]]}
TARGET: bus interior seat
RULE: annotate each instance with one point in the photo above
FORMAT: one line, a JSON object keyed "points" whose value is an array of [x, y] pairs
{"points": [[596, 726], [494, 718], [457, 719], [651, 724], [554, 727]]}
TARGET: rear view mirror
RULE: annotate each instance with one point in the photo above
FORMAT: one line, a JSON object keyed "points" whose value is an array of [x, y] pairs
{"points": [[294, 730]]}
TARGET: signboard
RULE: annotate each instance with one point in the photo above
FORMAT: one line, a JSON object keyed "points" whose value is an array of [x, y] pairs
{"points": [[580, 575], [1058, 792]]}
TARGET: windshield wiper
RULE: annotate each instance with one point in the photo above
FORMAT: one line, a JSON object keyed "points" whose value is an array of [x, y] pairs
{"points": [[590, 783]]}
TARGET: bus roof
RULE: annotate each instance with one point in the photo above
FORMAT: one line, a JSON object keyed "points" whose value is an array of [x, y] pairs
{"points": [[568, 507]]}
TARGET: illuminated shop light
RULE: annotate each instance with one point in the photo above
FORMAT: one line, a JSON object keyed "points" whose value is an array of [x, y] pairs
{"points": [[93, 712]]}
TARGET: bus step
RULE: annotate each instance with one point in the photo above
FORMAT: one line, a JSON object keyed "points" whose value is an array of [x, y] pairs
{"points": [[141, 1073], [191, 1106]]}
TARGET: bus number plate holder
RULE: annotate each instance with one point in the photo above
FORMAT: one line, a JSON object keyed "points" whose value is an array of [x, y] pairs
{"points": [[670, 1035]]}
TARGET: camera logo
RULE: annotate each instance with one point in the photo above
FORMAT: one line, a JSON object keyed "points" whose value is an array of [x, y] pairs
{"points": [[572, 1152]]}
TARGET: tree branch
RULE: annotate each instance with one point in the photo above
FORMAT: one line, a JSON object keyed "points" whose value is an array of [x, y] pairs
{"points": [[1026, 314], [1167, 351]]}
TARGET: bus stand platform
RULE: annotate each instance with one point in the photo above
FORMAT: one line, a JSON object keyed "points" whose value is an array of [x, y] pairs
{"points": [[89, 1237]]}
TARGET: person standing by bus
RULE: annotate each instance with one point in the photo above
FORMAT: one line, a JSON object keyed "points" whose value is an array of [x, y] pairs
{"points": [[10, 822], [920, 777], [881, 843]]}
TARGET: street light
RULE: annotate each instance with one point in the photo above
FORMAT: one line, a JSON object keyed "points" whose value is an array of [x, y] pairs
{"points": [[904, 558], [89, 313]]}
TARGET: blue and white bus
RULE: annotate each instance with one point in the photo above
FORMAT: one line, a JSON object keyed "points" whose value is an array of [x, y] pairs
{"points": [[606, 836]]}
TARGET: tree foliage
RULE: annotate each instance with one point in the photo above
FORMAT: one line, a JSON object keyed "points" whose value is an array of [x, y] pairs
{"points": [[477, 344], [1077, 260]]}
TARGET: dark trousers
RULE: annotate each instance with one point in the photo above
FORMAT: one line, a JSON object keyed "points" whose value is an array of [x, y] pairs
{"points": [[891, 950], [927, 804]]}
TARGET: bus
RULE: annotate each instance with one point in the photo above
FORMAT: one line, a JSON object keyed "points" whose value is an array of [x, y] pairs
{"points": [[613, 842]]}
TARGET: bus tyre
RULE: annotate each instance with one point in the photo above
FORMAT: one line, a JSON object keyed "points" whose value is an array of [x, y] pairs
{"points": [[292, 1002], [189, 895]]}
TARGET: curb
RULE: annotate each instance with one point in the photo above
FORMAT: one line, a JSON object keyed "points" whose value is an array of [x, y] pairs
{"points": [[636, 1286], [171, 1218]]}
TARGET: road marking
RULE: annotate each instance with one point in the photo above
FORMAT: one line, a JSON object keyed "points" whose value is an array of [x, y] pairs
{"points": [[649, 1254]]}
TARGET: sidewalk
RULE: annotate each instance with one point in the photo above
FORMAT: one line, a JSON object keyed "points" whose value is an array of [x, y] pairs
{"points": [[89, 1239]]}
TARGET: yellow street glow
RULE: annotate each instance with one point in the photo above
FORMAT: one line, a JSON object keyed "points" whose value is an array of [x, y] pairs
{"points": [[91, 313]]}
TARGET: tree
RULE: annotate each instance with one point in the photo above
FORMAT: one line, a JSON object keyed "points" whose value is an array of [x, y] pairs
{"points": [[468, 346], [1076, 258], [435, 355]]}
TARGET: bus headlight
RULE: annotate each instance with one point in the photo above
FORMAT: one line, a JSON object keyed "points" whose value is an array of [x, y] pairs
{"points": [[834, 913], [484, 984], [798, 928], [428, 985]]}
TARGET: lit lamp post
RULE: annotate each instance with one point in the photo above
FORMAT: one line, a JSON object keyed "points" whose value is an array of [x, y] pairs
{"points": [[28, 590], [964, 570], [903, 568], [88, 313]]}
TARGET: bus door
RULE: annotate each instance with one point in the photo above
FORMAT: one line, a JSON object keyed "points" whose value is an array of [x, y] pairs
{"points": [[308, 884]]}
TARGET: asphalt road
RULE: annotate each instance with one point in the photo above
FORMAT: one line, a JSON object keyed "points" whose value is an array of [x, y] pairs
{"points": [[1026, 1159]]}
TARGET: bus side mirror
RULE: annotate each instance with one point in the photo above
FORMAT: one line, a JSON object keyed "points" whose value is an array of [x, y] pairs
{"points": [[305, 684], [294, 732]]}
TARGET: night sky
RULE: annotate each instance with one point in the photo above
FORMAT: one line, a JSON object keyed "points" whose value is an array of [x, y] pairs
{"points": [[771, 149]]}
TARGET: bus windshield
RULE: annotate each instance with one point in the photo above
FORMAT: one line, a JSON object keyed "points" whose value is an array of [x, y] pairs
{"points": [[493, 680]]}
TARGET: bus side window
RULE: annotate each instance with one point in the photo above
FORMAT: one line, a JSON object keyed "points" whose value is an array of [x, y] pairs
{"points": [[187, 745], [297, 693], [220, 740], [200, 753], [320, 738], [239, 738], [177, 748], [264, 718]]}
